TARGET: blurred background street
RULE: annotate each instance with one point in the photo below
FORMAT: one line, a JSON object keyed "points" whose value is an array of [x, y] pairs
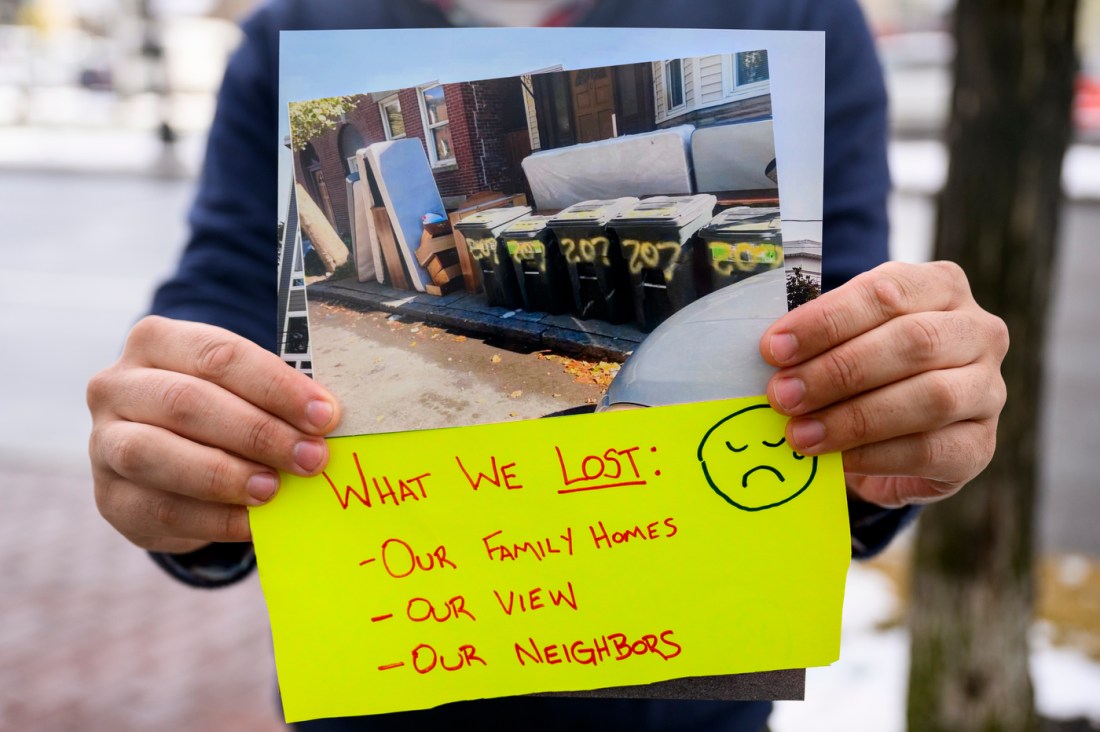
{"points": [[103, 109]]}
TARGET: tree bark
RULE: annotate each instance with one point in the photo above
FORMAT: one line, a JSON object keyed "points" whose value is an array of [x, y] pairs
{"points": [[315, 227], [998, 218]]}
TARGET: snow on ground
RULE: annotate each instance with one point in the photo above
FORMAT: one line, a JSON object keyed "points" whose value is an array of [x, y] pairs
{"points": [[865, 690]]}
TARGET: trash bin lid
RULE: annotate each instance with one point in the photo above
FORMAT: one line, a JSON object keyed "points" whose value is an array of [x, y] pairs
{"points": [[491, 219], [592, 213], [671, 211], [528, 227], [740, 221]]}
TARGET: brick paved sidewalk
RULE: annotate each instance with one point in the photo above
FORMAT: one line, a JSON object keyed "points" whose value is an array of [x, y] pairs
{"points": [[94, 637]]}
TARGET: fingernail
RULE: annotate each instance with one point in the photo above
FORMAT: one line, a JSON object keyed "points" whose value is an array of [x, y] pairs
{"points": [[783, 347], [805, 433], [319, 413], [309, 455], [261, 487], [789, 392]]}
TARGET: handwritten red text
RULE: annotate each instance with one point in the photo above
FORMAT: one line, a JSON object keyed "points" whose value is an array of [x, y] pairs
{"points": [[384, 492], [534, 599], [540, 549], [613, 469], [501, 475], [611, 647], [604, 539]]}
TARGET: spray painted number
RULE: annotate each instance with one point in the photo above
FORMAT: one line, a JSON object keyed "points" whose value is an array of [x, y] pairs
{"points": [[587, 250], [532, 252], [744, 257], [641, 255], [483, 249]]}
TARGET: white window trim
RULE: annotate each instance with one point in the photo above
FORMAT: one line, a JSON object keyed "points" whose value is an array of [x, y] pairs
{"points": [[429, 139], [385, 118], [729, 80], [682, 106]]}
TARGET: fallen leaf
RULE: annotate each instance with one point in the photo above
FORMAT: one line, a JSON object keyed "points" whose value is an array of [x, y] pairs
{"points": [[460, 339], [495, 359], [516, 394]]}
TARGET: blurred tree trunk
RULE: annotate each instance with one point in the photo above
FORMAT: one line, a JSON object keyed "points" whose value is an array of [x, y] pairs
{"points": [[998, 218]]}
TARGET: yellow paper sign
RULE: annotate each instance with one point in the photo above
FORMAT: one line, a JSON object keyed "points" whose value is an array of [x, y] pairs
{"points": [[552, 555]]}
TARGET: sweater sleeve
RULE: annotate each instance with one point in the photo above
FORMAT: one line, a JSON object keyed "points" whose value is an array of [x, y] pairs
{"points": [[226, 275]]}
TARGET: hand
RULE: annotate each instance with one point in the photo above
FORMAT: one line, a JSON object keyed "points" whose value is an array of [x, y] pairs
{"points": [[190, 426], [900, 369]]}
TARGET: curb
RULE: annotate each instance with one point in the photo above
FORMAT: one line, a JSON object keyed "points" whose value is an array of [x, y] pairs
{"points": [[590, 339]]}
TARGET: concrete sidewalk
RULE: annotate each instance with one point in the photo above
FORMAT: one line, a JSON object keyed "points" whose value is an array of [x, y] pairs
{"points": [[94, 637]]}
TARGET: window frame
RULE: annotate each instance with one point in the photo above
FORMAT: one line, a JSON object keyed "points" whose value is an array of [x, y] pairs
{"points": [[429, 129], [389, 101], [666, 79], [729, 78]]}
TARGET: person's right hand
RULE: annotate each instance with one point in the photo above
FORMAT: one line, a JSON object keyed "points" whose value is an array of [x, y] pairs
{"points": [[191, 425]]}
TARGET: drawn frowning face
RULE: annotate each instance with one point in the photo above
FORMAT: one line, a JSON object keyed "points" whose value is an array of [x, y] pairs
{"points": [[751, 470]]}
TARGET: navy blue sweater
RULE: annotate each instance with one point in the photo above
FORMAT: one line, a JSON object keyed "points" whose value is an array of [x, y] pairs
{"points": [[226, 275]]}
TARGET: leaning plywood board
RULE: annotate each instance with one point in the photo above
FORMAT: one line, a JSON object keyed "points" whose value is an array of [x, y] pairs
{"points": [[408, 189], [734, 157], [633, 165], [389, 247], [368, 255]]}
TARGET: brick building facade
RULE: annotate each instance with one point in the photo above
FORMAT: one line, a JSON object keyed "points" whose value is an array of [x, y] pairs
{"points": [[486, 136], [476, 134]]}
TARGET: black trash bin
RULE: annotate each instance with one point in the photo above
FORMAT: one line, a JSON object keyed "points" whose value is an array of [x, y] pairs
{"points": [[738, 243], [481, 230], [657, 242], [540, 267], [597, 270]]}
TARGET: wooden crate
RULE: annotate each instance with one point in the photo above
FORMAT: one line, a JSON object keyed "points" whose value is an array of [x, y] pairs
{"points": [[471, 275]]}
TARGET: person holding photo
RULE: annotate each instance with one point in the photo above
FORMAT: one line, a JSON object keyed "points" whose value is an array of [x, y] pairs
{"points": [[895, 364]]}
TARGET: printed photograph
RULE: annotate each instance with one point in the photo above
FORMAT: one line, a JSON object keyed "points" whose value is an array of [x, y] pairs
{"points": [[612, 232]]}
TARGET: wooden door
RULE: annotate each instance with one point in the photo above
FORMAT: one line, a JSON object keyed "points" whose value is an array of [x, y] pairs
{"points": [[593, 103]]}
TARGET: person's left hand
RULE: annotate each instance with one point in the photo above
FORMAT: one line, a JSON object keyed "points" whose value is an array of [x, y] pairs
{"points": [[900, 369]]}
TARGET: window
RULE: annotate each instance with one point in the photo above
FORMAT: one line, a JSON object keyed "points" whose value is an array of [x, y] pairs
{"points": [[350, 142], [748, 72], [437, 125], [674, 84], [393, 124]]}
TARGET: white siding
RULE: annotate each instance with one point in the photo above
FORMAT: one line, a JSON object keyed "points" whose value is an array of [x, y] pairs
{"points": [[532, 114], [689, 84], [707, 83], [711, 86], [659, 91]]}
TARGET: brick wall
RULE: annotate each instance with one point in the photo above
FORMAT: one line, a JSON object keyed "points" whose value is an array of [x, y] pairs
{"points": [[493, 121], [478, 121]]}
